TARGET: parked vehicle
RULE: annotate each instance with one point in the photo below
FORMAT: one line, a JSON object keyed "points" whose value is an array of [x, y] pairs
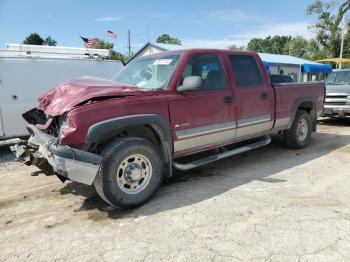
{"points": [[180, 109], [337, 93], [28, 71], [275, 79]]}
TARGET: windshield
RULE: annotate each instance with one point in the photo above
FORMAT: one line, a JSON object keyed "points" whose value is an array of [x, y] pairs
{"points": [[150, 72], [338, 78]]}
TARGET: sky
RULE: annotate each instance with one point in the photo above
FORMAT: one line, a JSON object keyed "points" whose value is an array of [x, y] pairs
{"points": [[200, 23]]}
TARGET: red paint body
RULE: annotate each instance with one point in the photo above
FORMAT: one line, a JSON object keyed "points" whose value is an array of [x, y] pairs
{"points": [[109, 100]]}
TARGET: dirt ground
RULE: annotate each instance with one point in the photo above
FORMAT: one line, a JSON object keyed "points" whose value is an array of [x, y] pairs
{"points": [[271, 204]]}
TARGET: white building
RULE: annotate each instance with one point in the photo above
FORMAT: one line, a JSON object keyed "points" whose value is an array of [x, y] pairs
{"points": [[299, 69]]}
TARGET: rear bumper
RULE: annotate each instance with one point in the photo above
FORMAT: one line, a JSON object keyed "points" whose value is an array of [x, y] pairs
{"points": [[74, 164], [336, 110]]}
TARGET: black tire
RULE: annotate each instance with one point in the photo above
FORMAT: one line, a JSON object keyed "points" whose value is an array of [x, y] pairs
{"points": [[293, 137], [113, 175]]}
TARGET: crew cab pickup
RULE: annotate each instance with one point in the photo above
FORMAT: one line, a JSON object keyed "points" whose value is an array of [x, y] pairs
{"points": [[173, 110]]}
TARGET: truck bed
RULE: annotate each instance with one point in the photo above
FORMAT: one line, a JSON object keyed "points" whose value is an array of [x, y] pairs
{"points": [[288, 95]]}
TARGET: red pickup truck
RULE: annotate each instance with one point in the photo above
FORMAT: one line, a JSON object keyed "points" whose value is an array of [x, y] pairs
{"points": [[124, 136]]}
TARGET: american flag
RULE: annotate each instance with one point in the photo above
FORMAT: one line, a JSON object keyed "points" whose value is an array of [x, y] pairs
{"points": [[112, 34], [89, 42]]}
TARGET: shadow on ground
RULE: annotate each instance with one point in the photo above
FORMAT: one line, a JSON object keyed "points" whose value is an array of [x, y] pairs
{"points": [[212, 180], [334, 121], [6, 154]]}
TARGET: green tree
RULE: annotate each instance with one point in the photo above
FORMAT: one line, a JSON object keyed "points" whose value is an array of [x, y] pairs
{"points": [[118, 56], [50, 41], [315, 51], [33, 39], [103, 44], [307, 49], [297, 46], [347, 42], [167, 39], [294, 46], [113, 55], [234, 47], [330, 15], [273, 45]]}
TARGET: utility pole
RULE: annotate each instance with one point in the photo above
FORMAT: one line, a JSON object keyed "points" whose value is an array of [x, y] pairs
{"points": [[344, 27], [341, 46], [129, 44]]}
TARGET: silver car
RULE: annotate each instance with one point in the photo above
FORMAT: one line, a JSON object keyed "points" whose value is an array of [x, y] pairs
{"points": [[337, 93]]}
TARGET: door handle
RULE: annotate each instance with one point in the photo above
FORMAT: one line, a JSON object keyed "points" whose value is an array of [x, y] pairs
{"points": [[264, 95], [228, 99]]}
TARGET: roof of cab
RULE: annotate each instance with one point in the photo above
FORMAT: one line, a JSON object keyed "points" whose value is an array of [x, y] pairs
{"points": [[178, 49], [268, 59]]}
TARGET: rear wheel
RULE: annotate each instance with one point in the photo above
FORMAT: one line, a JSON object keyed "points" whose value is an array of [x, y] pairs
{"points": [[299, 135], [130, 173]]}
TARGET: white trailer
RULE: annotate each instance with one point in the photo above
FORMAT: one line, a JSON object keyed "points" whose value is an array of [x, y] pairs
{"points": [[28, 71]]}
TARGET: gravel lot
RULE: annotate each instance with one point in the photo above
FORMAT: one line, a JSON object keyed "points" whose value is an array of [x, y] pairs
{"points": [[272, 204]]}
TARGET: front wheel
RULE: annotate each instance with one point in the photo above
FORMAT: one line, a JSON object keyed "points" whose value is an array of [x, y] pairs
{"points": [[130, 173], [299, 134]]}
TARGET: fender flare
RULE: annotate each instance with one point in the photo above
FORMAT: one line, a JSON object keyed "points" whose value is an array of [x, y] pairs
{"points": [[296, 105], [156, 122]]}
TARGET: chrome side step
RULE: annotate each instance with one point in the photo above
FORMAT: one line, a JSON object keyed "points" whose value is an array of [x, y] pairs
{"points": [[212, 158]]}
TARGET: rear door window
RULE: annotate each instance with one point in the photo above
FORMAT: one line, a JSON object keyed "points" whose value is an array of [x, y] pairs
{"points": [[245, 70]]}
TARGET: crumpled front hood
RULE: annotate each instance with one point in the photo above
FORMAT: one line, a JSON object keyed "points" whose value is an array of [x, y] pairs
{"points": [[341, 89], [73, 92]]}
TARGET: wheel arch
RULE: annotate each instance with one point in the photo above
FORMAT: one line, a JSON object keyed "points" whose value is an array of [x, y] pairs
{"points": [[308, 104], [149, 126]]}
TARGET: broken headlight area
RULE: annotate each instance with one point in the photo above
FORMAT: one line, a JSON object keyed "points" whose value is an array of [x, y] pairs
{"points": [[48, 124]]}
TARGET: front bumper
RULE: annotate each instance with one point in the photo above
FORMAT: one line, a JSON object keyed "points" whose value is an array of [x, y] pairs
{"points": [[336, 110], [74, 164]]}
